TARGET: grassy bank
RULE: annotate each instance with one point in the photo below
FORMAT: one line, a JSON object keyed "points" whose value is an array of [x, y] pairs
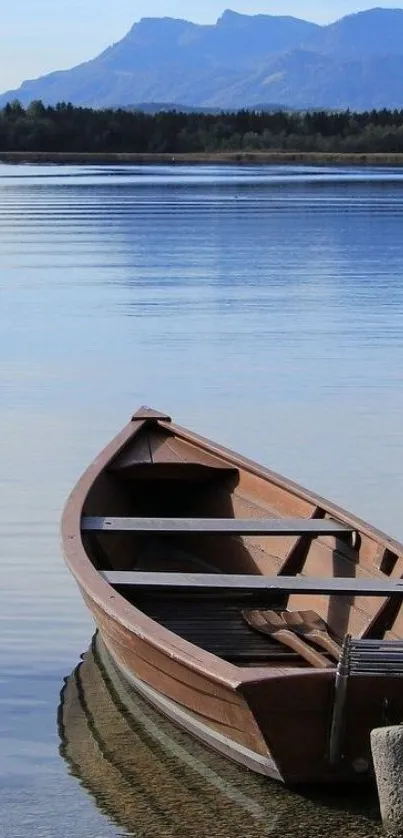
{"points": [[234, 157]]}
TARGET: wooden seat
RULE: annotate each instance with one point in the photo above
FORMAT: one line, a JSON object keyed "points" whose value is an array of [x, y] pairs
{"points": [[219, 526], [219, 582]]}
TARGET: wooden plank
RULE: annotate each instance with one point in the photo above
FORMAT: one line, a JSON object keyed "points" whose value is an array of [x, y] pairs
{"points": [[203, 582], [219, 526]]}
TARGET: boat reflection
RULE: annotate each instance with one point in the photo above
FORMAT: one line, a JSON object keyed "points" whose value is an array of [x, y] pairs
{"points": [[152, 779]]}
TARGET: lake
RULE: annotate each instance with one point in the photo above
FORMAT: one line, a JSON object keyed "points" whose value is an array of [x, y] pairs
{"points": [[260, 306]]}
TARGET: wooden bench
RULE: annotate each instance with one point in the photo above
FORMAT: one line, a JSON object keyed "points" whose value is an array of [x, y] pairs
{"points": [[251, 584], [312, 527]]}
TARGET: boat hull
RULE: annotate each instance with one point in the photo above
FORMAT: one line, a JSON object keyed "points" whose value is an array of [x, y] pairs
{"points": [[212, 710], [184, 719], [277, 725], [285, 720]]}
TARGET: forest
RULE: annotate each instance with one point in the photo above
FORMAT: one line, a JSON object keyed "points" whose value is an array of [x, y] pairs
{"points": [[65, 128]]}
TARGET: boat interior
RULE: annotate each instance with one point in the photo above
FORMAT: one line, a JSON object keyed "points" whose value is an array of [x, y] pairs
{"points": [[160, 474]]}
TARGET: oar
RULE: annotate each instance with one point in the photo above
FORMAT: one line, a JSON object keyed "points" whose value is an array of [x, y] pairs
{"points": [[308, 624], [272, 623]]}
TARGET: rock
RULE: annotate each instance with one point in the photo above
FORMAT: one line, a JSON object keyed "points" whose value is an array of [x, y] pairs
{"points": [[387, 754]]}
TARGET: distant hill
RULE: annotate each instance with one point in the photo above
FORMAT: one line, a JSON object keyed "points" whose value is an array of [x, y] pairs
{"points": [[241, 61], [158, 107]]}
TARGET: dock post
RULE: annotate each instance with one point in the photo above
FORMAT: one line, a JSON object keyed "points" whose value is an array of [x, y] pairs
{"points": [[387, 754]]}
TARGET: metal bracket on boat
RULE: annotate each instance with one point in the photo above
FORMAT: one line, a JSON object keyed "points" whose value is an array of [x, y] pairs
{"points": [[355, 540], [340, 696], [360, 657]]}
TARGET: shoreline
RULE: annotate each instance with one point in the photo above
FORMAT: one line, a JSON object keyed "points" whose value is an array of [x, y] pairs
{"points": [[197, 158]]}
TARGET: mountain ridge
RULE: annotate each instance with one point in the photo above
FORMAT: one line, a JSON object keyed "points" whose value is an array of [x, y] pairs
{"points": [[240, 61]]}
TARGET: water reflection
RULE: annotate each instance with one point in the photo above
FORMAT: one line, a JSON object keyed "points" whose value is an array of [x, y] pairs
{"points": [[154, 780]]}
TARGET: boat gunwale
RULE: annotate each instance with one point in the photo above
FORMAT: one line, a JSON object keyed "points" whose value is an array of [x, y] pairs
{"points": [[120, 611]]}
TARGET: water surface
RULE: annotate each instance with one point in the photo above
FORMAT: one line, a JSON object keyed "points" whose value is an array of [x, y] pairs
{"points": [[262, 307]]}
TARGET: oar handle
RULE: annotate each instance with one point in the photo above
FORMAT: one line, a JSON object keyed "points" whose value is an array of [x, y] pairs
{"points": [[326, 642], [311, 655]]}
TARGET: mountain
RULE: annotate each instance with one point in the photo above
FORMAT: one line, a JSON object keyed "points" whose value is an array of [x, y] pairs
{"points": [[241, 61], [361, 36]]}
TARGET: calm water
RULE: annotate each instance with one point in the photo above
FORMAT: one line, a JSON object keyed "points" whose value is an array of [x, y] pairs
{"points": [[264, 308]]}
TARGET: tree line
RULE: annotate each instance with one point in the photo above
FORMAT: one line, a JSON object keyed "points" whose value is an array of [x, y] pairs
{"points": [[65, 128]]}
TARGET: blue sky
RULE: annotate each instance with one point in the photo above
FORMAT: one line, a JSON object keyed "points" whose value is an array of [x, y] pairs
{"points": [[38, 36]]}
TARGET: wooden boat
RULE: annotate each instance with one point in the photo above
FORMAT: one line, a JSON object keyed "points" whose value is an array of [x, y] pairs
{"points": [[261, 618]]}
